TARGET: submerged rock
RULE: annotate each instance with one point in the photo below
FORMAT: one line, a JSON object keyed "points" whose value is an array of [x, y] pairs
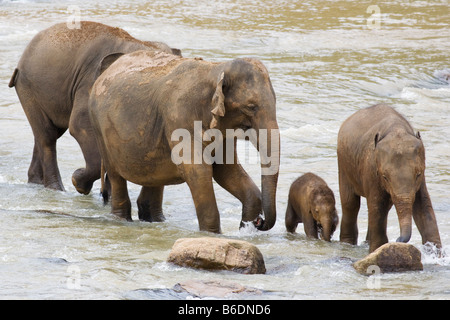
{"points": [[219, 289], [391, 257], [213, 288], [217, 254]]}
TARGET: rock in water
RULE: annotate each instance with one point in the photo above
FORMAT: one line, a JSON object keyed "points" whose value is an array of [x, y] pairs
{"points": [[217, 254], [391, 257], [213, 288]]}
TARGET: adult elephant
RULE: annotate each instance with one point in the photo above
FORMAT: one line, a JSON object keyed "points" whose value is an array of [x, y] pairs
{"points": [[380, 157], [145, 102], [53, 79]]}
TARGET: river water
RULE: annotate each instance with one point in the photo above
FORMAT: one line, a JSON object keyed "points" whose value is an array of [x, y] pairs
{"points": [[327, 59]]}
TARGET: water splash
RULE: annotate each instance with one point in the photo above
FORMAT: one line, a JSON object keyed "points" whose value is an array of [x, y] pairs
{"points": [[248, 229], [433, 255], [443, 75]]}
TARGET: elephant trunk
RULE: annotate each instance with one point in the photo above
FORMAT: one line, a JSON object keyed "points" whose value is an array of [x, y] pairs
{"points": [[327, 231], [269, 186], [404, 209], [269, 149], [328, 226]]}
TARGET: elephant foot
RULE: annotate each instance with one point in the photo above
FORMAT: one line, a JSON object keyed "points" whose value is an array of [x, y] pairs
{"points": [[82, 184], [35, 179], [122, 214], [349, 240], [50, 183], [55, 186], [156, 217], [258, 223]]}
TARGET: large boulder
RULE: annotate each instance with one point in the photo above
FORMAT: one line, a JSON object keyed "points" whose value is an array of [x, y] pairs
{"points": [[217, 254], [391, 257]]}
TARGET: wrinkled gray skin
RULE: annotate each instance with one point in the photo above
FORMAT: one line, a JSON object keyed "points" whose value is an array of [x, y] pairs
{"points": [[312, 203], [138, 103], [53, 79], [381, 158]]}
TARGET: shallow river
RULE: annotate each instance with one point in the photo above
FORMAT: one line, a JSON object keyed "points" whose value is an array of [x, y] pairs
{"points": [[326, 60]]}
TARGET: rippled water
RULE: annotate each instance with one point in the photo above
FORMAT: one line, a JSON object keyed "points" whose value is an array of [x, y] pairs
{"points": [[326, 60]]}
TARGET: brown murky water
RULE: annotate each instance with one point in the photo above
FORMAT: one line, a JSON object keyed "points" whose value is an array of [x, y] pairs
{"points": [[326, 60]]}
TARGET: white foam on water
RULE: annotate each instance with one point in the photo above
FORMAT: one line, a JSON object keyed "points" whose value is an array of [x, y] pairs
{"points": [[443, 75], [433, 255], [248, 229]]}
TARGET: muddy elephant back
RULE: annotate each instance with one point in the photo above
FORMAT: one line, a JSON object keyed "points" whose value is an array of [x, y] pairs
{"points": [[141, 66]]}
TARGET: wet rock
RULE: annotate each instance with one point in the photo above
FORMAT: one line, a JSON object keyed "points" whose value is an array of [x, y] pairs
{"points": [[54, 260], [213, 288], [217, 254], [156, 294], [391, 257], [218, 289]]}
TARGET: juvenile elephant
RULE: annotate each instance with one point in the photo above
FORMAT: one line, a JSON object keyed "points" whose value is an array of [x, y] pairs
{"points": [[381, 158], [312, 202], [53, 79], [145, 102]]}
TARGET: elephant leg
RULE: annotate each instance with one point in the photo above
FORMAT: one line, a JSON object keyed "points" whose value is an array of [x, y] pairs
{"points": [[378, 213], [35, 172], [120, 201], [81, 129], [234, 179], [52, 177], [368, 225], [292, 218], [150, 204], [310, 226], [350, 203], [44, 165], [105, 190], [425, 218], [199, 180]]}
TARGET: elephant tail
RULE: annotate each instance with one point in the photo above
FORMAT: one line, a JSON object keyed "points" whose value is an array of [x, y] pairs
{"points": [[105, 184], [12, 82]]}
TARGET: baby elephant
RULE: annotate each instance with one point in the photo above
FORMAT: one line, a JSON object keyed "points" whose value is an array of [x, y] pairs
{"points": [[382, 158], [312, 202]]}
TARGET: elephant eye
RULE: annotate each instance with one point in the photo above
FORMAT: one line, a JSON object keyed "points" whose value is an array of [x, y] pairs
{"points": [[418, 175], [252, 107]]}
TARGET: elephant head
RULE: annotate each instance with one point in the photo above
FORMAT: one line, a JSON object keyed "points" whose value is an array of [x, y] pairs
{"points": [[244, 99], [323, 210], [400, 161]]}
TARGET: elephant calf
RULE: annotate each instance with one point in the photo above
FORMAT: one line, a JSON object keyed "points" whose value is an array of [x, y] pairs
{"points": [[312, 202], [145, 101], [381, 158]]}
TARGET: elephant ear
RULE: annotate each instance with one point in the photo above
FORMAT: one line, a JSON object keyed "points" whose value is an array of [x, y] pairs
{"points": [[377, 139], [218, 103], [107, 61]]}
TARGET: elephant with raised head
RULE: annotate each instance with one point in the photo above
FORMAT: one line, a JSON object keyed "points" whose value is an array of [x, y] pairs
{"points": [[146, 102], [53, 79], [381, 158], [312, 203]]}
